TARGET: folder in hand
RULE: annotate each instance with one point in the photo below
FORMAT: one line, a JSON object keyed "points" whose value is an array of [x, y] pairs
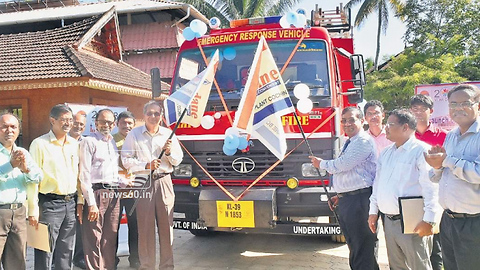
{"points": [[411, 213], [40, 238]]}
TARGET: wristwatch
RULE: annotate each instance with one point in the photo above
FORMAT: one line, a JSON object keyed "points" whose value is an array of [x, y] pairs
{"points": [[431, 223]]}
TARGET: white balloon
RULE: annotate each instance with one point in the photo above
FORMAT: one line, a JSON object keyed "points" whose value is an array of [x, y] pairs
{"points": [[214, 23], [283, 22], [232, 131], [217, 115], [301, 21], [203, 28], [301, 91], [304, 105], [207, 122]]}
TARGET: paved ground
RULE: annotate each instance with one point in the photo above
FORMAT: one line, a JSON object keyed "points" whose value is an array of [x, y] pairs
{"points": [[253, 251]]}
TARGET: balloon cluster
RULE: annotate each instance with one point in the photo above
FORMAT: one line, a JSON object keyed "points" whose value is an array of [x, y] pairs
{"points": [[302, 92], [294, 19], [233, 142], [196, 29]]}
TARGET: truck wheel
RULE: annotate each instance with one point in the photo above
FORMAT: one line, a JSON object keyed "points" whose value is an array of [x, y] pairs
{"points": [[208, 232], [339, 238]]}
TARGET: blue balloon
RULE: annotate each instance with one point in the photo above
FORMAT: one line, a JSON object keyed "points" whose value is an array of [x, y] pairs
{"points": [[188, 34], [229, 53], [291, 17], [242, 143], [198, 35], [229, 152], [231, 142]]}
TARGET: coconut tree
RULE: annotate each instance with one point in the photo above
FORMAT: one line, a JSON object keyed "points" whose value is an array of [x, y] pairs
{"points": [[227, 10], [383, 8]]}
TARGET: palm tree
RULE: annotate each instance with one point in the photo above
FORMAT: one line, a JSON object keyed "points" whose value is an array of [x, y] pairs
{"points": [[382, 7], [227, 10]]}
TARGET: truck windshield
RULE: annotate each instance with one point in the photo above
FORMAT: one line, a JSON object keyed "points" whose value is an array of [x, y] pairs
{"points": [[308, 65]]}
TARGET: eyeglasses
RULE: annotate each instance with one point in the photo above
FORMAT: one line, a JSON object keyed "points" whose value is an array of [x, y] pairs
{"points": [[350, 121], [65, 120], [105, 122], [391, 124], [156, 114], [463, 105]]}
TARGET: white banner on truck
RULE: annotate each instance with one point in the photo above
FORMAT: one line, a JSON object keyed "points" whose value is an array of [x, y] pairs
{"points": [[438, 92]]}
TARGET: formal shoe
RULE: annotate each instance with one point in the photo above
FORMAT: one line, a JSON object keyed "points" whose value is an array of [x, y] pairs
{"points": [[135, 264], [80, 264]]}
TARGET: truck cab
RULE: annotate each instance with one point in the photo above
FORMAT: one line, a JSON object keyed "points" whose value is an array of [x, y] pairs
{"points": [[290, 198]]}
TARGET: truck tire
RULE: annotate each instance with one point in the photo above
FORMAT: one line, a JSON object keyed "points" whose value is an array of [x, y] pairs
{"points": [[337, 238], [204, 233]]}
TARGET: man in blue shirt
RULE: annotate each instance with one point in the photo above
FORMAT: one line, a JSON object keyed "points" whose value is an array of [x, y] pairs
{"points": [[353, 173], [17, 172]]}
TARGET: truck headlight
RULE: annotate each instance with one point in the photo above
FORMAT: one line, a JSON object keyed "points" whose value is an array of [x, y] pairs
{"points": [[309, 171], [183, 170]]}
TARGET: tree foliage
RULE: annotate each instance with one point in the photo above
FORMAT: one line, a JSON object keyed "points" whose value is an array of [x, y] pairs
{"points": [[443, 37], [227, 10]]}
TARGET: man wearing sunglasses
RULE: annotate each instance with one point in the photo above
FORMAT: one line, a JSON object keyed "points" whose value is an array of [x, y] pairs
{"points": [[99, 181], [456, 167], [353, 173], [141, 155]]}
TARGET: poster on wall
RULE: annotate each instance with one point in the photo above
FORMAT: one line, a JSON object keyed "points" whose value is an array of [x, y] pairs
{"points": [[91, 112], [438, 92]]}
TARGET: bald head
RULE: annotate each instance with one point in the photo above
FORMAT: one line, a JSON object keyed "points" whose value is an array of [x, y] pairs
{"points": [[79, 122], [9, 130]]}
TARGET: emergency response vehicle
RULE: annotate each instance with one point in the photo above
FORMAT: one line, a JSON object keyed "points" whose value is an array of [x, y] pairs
{"points": [[289, 199]]}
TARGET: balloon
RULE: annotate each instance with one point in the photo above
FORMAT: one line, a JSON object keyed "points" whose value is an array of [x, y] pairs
{"points": [[231, 142], [214, 23], [304, 105], [188, 34], [217, 115], [232, 131], [229, 53], [228, 151], [301, 91], [207, 122], [301, 21], [242, 143], [196, 25], [301, 11], [198, 35], [283, 22], [291, 17]]}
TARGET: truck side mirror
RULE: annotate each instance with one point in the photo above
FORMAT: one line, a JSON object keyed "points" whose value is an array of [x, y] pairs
{"points": [[358, 71], [355, 95]]}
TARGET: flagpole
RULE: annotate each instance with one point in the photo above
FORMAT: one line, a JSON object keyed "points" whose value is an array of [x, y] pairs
{"points": [[329, 197], [159, 157]]}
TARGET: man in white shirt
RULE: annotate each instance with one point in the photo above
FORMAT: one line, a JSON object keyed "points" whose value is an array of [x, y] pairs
{"points": [[140, 155], [353, 173], [403, 172], [457, 170], [374, 115]]}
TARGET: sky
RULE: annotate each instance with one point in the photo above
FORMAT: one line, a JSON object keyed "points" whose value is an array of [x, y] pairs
{"points": [[365, 37]]}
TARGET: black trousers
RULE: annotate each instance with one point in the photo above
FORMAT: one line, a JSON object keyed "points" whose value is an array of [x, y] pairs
{"points": [[353, 217], [127, 204], [460, 238]]}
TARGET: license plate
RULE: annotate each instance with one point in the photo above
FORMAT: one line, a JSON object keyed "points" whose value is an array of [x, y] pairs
{"points": [[235, 214]]}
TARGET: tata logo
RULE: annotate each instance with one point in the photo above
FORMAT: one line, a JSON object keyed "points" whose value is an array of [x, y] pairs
{"points": [[243, 165]]}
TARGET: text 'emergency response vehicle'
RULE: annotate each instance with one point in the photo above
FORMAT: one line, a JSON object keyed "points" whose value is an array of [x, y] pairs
{"points": [[289, 199]]}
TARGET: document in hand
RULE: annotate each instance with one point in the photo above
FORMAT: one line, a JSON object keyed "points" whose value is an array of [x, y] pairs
{"points": [[39, 238], [411, 212]]}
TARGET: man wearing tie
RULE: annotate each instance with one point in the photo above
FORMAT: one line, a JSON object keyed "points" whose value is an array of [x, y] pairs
{"points": [[353, 173]]}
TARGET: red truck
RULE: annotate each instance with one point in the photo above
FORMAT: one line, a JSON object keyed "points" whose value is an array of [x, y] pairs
{"points": [[290, 199]]}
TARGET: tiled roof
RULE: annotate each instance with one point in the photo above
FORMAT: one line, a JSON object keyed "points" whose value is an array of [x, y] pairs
{"points": [[149, 36], [164, 60], [40, 55], [49, 54]]}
